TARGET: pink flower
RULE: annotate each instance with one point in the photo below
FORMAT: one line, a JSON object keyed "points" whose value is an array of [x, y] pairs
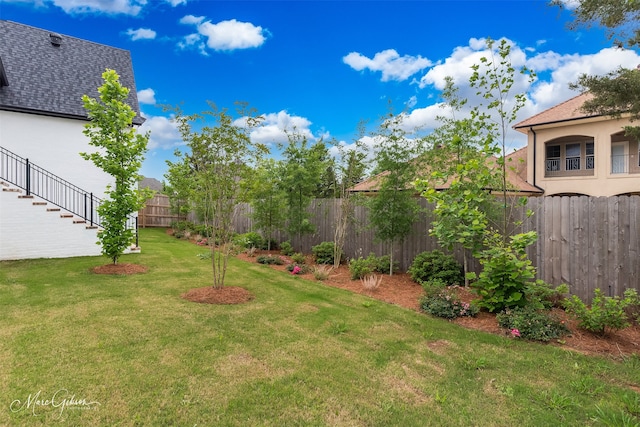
{"points": [[515, 333], [295, 270]]}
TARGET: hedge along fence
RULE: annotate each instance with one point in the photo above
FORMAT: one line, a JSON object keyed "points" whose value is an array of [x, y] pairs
{"points": [[585, 242]]}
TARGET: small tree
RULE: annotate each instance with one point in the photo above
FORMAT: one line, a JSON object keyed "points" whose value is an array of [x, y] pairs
{"points": [[121, 155], [303, 166], [395, 208], [268, 199], [351, 167], [221, 163]]}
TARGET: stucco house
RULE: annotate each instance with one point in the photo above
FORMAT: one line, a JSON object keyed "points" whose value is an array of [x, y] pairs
{"points": [[48, 192], [570, 152]]}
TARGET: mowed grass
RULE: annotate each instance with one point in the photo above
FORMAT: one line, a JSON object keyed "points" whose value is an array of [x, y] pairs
{"points": [[130, 351]]}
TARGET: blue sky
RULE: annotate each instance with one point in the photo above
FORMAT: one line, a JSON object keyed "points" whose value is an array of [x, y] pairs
{"points": [[322, 66]]}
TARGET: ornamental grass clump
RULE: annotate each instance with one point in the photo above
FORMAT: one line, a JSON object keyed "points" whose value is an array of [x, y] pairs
{"points": [[371, 282]]}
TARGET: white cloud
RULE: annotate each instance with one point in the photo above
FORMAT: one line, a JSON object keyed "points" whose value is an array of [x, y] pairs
{"points": [[275, 127], [191, 20], [114, 7], [147, 96], [141, 34], [164, 132], [175, 3], [225, 35], [389, 62], [554, 74]]}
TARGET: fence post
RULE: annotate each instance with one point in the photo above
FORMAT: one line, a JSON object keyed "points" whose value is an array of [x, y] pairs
{"points": [[137, 245], [91, 208], [28, 181]]}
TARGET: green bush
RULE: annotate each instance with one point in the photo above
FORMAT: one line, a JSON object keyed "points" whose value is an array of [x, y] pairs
{"points": [[269, 245], [359, 268], [383, 264], [270, 260], [248, 240], [445, 304], [286, 248], [434, 286], [181, 225], [605, 312], [302, 268], [543, 296], [506, 272], [532, 324], [324, 252], [436, 265], [298, 258], [203, 230]]}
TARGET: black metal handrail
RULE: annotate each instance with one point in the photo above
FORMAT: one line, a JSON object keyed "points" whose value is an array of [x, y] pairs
{"points": [[37, 181]]}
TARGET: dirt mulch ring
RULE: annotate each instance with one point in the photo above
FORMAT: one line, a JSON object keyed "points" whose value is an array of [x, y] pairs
{"points": [[399, 289], [223, 295], [119, 269]]}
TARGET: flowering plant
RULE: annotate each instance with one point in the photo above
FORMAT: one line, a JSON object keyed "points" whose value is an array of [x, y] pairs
{"points": [[296, 270], [515, 333]]}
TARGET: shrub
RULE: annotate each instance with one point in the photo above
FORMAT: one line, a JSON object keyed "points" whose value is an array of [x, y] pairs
{"points": [[324, 252], [359, 268], [544, 296], [506, 271], [322, 272], [382, 264], [532, 324], [181, 225], [436, 265], [286, 248], [298, 269], [248, 240], [270, 260], [298, 258], [605, 312], [445, 304], [269, 245], [203, 230], [434, 286]]}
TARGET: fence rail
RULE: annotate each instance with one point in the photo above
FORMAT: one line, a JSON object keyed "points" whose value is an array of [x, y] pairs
{"points": [[585, 242]]}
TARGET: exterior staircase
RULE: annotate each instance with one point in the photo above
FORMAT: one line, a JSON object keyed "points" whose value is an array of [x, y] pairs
{"points": [[44, 216]]}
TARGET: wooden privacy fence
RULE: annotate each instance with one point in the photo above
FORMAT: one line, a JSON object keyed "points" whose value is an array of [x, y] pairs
{"points": [[585, 242], [157, 213]]}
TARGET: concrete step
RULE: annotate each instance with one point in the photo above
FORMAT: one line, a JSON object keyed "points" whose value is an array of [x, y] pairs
{"points": [[39, 203], [53, 209], [66, 215], [79, 221]]}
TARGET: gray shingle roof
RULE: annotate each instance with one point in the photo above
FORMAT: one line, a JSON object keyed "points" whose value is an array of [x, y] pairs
{"points": [[47, 79]]}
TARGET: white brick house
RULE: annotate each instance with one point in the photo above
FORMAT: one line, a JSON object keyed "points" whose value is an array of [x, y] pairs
{"points": [[43, 76]]}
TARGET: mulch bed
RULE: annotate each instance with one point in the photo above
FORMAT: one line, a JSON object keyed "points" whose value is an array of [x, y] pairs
{"points": [[119, 269], [223, 295]]}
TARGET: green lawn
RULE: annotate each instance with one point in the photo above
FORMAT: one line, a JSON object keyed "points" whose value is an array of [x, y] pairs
{"points": [[127, 350]]}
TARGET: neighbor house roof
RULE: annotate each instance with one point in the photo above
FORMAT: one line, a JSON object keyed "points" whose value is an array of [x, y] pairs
{"points": [[516, 177], [564, 112], [47, 73]]}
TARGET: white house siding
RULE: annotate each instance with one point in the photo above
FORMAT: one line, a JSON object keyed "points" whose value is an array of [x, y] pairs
{"points": [[28, 231], [53, 144]]}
